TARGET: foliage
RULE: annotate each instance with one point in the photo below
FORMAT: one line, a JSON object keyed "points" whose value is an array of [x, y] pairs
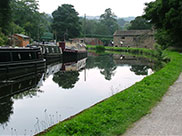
{"points": [[26, 17], [5, 15], [98, 27], [114, 115], [121, 22], [139, 24], [165, 15], [66, 22], [109, 20], [3, 39], [100, 48]]}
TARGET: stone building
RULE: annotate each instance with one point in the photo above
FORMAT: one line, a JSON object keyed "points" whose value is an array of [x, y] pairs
{"points": [[134, 38], [89, 41]]}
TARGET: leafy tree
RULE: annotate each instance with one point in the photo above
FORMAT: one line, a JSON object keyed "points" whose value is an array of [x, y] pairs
{"points": [[66, 22], [3, 39], [109, 20], [121, 22], [5, 15], [166, 17], [139, 23], [88, 26], [26, 19]]}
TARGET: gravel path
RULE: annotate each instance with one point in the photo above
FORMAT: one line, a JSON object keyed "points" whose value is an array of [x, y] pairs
{"points": [[165, 119]]}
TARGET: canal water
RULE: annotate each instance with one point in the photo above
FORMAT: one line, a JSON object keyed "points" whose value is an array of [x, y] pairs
{"points": [[32, 103]]}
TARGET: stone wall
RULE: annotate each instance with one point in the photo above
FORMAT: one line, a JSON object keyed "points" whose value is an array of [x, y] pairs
{"points": [[134, 38]]}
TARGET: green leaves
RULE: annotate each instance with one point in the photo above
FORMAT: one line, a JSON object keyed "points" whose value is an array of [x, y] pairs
{"points": [[66, 22], [166, 17], [139, 24]]}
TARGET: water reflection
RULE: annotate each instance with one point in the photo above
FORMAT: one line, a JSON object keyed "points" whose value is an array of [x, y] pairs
{"points": [[104, 62], [69, 73], [46, 91]]}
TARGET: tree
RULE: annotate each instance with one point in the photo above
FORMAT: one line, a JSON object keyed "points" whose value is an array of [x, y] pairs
{"points": [[5, 15], [66, 22], [166, 17], [109, 20], [121, 22], [26, 19], [139, 23]]}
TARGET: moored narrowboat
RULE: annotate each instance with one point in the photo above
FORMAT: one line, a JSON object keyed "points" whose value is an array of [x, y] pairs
{"points": [[73, 51], [20, 59], [50, 51]]}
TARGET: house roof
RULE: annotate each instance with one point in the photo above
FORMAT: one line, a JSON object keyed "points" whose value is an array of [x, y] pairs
{"points": [[133, 32], [23, 36]]}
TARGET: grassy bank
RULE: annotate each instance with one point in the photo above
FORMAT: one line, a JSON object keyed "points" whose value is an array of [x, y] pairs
{"points": [[125, 49], [114, 115]]}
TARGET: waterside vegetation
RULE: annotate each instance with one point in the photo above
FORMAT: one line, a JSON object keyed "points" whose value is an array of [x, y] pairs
{"points": [[114, 115]]}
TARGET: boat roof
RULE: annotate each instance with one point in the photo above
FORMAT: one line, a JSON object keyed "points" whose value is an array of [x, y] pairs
{"points": [[18, 48]]}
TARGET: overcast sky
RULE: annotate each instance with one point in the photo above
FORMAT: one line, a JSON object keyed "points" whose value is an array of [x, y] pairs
{"points": [[121, 8]]}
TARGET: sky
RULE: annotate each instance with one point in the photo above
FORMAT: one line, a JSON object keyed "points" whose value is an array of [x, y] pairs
{"points": [[121, 8]]}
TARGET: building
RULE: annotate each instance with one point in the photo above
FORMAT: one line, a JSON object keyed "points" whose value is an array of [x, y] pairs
{"points": [[134, 38], [20, 40], [89, 41]]}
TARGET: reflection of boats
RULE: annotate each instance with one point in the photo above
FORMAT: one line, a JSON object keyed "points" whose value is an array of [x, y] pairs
{"points": [[53, 68], [13, 61], [74, 66], [50, 51], [132, 60], [25, 83], [73, 51]]}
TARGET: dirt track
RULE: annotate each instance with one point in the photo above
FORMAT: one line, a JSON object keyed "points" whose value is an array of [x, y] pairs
{"points": [[165, 119]]}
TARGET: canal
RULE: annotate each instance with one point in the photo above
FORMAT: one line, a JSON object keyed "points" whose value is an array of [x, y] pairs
{"points": [[30, 104]]}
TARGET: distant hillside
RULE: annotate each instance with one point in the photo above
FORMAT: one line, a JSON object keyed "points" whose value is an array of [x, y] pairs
{"points": [[127, 19], [93, 17]]}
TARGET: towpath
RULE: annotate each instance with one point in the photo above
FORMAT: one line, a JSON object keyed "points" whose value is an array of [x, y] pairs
{"points": [[165, 119]]}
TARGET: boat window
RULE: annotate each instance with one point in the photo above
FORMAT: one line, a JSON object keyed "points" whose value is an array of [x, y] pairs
{"points": [[25, 56], [52, 49], [38, 54], [33, 55], [47, 49], [5, 57], [30, 55], [15, 56], [57, 49]]}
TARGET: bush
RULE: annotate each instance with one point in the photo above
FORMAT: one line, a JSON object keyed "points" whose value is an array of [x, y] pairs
{"points": [[3, 39], [100, 48]]}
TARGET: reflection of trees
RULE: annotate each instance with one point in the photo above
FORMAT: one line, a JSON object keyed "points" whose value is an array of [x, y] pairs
{"points": [[104, 62], [67, 79], [30, 93], [5, 109], [18, 89], [139, 70]]}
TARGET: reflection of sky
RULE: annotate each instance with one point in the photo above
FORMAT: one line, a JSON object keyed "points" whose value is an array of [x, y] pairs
{"points": [[66, 102]]}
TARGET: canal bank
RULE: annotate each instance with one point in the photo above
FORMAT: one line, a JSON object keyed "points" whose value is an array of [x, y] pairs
{"points": [[165, 118], [116, 114]]}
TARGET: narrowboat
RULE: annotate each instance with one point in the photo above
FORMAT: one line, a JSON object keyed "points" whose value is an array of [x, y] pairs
{"points": [[50, 51], [16, 61], [73, 51]]}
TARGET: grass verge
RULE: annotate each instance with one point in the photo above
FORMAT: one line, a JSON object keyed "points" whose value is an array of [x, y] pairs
{"points": [[114, 115]]}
